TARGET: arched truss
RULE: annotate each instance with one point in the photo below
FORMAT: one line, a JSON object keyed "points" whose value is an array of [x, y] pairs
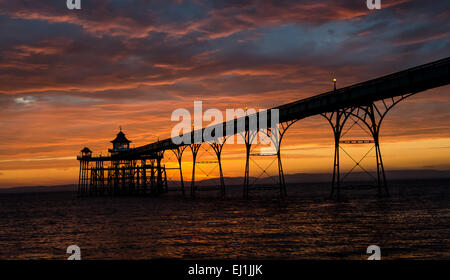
{"points": [[371, 115], [207, 173], [217, 146], [276, 136], [178, 152], [194, 149], [337, 120]]}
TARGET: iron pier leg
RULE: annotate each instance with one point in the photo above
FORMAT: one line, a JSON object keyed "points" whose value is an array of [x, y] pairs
{"points": [[217, 147], [166, 187], [152, 179], [283, 191], [337, 120], [194, 148], [179, 154], [159, 184], [374, 128], [248, 146], [276, 136]]}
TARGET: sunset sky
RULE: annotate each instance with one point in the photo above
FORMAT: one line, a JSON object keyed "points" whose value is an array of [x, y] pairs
{"points": [[70, 78]]}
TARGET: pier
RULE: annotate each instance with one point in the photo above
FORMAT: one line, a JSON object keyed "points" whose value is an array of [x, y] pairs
{"points": [[138, 171]]}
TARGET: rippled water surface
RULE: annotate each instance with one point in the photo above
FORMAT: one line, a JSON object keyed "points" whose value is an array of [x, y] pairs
{"points": [[413, 223]]}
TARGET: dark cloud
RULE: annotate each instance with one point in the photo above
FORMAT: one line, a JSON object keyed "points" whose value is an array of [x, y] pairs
{"points": [[128, 44]]}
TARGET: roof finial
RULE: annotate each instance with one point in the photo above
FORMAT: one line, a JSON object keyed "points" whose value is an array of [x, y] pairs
{"points": [[120, 127]]}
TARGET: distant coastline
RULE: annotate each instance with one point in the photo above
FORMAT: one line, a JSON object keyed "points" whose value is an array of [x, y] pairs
{"points": [[290, 179], [39, 189]]}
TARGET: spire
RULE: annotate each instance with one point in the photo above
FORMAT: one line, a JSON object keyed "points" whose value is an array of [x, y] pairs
{"points": [[120, 138]]}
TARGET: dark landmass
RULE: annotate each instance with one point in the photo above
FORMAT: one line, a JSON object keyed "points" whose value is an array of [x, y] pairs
{"points": [[39, 189], [326, 177], [290, 178]]}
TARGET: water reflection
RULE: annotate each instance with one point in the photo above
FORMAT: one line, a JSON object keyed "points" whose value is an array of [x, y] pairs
{"points": [[413, 223]]}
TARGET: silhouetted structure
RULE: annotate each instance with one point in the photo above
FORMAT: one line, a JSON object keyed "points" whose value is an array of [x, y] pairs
{"points": [[120, 143], [119, 174], [356, 102]]}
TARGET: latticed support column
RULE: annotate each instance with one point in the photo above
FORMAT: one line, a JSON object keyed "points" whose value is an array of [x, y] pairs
{"points": [[374, 128], [99, 178], [337, 120], [109, 180], [116, 177], [159, 176], [86, 178], [283, 191], [153, 178], [194, 149], [217, 147], [276, 134], [166, 187], [79, 179], [123, 178], [179, 154], [143, 185], [372, 115], [249, 137], [83, 179], [80, 174], [131, 177]]}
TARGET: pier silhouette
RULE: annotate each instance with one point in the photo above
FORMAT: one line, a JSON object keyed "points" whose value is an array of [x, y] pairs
{"points": [[138, 171]]}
